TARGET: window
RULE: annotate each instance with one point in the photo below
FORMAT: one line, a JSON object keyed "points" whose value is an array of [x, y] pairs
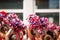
{"points": [[20, 15], [47, 4], [11, 4]]}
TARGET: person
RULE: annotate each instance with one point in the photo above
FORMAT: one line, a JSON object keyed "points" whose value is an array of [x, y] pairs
{"points": [[48, 37], [5, 32], [1, 34], [25, 34], [7, 35], [33, 34], [58, 38]]}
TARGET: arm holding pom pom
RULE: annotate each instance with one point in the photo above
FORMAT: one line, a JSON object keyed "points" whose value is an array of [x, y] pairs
{"points": [[7, 35], [29, 32]]}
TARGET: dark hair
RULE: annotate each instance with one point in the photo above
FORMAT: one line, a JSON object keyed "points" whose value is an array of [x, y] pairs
{"points": [[47, 38], [10, 38], [23, 32], [32, 33], [2, 30], [0, 21], [50, 33]]}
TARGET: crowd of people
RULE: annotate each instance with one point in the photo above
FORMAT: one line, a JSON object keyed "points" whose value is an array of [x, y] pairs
{"points": [[36, 28]]}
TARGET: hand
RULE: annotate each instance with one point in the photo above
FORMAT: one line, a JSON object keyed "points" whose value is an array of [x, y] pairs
{"points": [[9, 32]]}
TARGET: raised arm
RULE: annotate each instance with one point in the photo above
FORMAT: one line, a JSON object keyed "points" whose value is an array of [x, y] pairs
{"points": [[29, 33], [8, 34]]}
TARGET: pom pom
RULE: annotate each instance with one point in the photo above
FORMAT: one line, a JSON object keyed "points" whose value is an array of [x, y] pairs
{"points": [[34, 21], [54, 26], [2, 15], [43, 21], [15, 22], [51, 26], [11, 16], [5, 20], [58, 28]]}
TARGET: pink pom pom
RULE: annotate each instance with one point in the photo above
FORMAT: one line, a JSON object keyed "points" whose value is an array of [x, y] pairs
{"points": [[2, 15], [51, 26], [34, 21], [15, 22], [43, 21], [12, 16], [54, 26], [58, 28], [5, 20]]}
